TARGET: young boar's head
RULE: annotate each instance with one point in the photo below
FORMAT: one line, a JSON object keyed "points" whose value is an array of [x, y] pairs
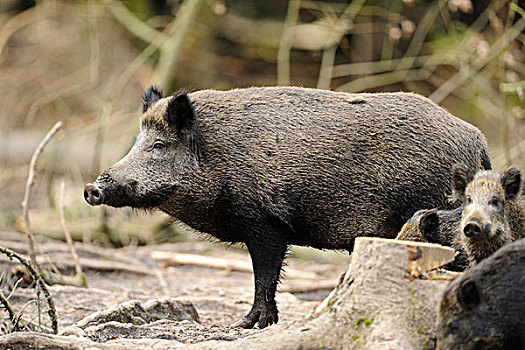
{"points": [[423, 226], [486, 198], [162, 157]]}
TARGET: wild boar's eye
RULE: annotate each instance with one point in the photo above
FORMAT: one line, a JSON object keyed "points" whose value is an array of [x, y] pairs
{"points": [[159, 145], [469, 199]]}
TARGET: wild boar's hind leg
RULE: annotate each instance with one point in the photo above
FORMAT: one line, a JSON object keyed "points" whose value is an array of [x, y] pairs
{"points": [[267, 259]]}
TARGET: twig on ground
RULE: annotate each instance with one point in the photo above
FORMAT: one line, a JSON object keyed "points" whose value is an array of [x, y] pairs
{"points": [[40, 283], [310, 288], [78, 269], [163, 283]]}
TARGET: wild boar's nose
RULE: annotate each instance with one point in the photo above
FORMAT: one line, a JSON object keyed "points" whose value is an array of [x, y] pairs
{"points": [[93, 194], [472, 229]]}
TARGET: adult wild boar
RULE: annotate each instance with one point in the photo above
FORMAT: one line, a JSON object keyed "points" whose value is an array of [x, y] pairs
{"points": [[275, 166]]}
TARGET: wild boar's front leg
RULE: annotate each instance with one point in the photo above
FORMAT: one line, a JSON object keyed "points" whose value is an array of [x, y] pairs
{"points": [[267, 259]]}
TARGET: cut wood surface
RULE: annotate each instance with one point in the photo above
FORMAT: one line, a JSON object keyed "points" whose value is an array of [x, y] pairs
{"points": [[424, 257]]}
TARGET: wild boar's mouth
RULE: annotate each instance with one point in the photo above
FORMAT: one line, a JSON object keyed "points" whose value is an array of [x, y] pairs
{"points": [[154, 198]]}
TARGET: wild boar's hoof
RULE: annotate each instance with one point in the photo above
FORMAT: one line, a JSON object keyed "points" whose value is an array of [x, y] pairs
{"points": [[265, 316], [93, 194]]}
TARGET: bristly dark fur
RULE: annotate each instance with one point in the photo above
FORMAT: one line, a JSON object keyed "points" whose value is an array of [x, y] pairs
{"points": [[461, 176], [511, 181], [185, 119], [150, 97], [490, 316]]}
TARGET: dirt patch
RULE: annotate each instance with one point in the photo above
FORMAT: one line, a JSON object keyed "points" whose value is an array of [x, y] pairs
{"points": [[190, 304]]}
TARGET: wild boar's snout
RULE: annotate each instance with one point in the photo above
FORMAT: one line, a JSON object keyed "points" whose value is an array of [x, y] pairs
{"points": [[93, 194]]}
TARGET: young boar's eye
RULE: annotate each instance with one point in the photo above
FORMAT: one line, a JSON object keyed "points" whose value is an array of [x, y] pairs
{"points": [[469, 199], [495, 201]]}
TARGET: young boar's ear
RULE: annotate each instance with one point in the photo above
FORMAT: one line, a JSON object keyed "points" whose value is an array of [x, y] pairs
{"points": [[429, 224], [511, 182], [460, 180], [468, 295], [150, 97], [179, 114]]}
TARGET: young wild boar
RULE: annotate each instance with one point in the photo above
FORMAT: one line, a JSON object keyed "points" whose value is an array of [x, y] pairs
{"points": [[494, 210], [275, 166], [437, 226], [484, 308]]}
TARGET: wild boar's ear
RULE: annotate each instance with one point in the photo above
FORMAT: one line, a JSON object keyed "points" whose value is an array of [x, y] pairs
{"points": [[468, 295], [150, 97], [180, 114], [429, 224], [511, 182], [460, 180]]}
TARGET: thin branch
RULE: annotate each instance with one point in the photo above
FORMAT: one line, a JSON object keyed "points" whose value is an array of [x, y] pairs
{"points": [[10, 311], [78, 269], [392, 77], [478, 63], [21, 20], [29, 185], [132, 22], [285, 45], [170, 51], [418, 39], [327, 67], [14, 288], [40, 283], [327, 63]]}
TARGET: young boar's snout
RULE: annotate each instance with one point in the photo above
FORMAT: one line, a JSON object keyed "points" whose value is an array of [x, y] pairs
{"points": [[474, 230], [93, 194]]}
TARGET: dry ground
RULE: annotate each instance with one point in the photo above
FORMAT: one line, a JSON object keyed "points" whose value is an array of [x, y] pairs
{"points": [[116, 276]]}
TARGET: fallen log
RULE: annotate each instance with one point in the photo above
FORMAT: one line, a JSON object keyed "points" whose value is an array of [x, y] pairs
{"points": [[169, 258]]}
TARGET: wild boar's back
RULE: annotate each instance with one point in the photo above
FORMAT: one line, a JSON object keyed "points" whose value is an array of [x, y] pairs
{"points": [[330, 166]]}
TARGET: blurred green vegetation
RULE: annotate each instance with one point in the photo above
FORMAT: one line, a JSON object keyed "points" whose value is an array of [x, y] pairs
{"points": [[87, 62]]}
